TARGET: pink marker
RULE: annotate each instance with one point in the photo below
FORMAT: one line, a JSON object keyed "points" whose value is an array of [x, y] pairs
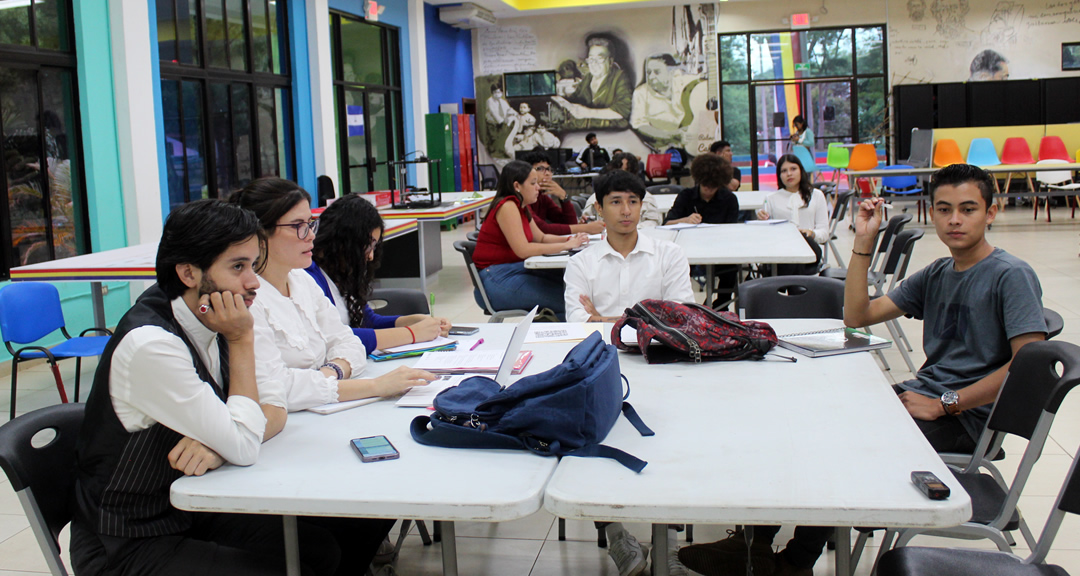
{"points": [[478, 342]]}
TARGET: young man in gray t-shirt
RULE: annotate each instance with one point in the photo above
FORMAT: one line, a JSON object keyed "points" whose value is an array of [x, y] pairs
{"points": [[978, 308]]}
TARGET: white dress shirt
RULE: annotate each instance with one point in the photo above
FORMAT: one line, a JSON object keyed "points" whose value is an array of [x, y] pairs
{"points": [[152, 380], [654, 269], [784, 205], [297, 334]]}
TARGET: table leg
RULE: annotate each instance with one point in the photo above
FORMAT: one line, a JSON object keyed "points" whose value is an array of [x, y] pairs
{"points": [[423, 261], [660, 549], [292, 546], [775, 270], [449, 549], [97, 297], [843, 551], [708, 284]]}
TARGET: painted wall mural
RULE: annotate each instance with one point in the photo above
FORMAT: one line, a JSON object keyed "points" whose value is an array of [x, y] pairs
{"points": [[638, 82]]}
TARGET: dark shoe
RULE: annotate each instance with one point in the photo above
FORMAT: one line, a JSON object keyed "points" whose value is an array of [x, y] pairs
{"points": [[728, 557], [785, 569]]}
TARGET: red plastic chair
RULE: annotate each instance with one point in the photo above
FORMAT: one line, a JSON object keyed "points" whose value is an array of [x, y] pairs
{"points": [[658, 166], [1052, 148], [1017, 151]]}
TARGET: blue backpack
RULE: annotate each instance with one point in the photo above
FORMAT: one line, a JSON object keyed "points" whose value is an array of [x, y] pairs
{"points": [[565, 411]]}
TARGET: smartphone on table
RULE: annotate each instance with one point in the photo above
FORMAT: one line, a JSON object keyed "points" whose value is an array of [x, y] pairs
{"points": [[463, 330], [374, 449]]}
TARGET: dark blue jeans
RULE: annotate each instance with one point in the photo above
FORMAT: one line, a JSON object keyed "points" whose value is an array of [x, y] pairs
{"points": [[515, 287]]}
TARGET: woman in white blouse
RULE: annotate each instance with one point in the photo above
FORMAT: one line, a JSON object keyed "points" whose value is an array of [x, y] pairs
{"points": [[299, 337], [800, 203]]}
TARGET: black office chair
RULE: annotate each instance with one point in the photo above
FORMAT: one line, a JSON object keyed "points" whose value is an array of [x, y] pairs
{"points": [[791, 297], [472, 236], [665, 189], [843, 200], [398, 302], [326, 189], [1054, 323], [466, 248], [489, 176], [42, 472], [884, 242]]}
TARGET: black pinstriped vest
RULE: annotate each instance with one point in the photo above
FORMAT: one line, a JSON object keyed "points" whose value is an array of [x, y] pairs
{"points": [[123, 478]]}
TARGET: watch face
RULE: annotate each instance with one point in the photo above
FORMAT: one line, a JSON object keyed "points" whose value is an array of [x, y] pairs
{"points": [[950, 397]]}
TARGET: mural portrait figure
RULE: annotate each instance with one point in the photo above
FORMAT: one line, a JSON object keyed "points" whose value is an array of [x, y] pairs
{"points": [[499, 119], [989, 65], [569, 78], [661, 111], [916, 10], [603, 98], [951, 16]]}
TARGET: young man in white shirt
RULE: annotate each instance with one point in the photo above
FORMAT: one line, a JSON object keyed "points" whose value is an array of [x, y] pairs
{"points": [[610, 276], [175, 394]]}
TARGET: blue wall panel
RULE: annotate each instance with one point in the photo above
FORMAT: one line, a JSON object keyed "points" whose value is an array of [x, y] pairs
{"points": [[449, 61]]}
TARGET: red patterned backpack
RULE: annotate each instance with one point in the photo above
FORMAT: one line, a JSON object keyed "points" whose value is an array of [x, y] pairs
{"points": [[691, 332]]}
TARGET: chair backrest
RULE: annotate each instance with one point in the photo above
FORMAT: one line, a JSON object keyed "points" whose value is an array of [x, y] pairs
{"points": [[1052, 176], [1052, 148], [899, 183], [899, 255], [805, 158], [1054, 323], [947, 153], [466, 247], [326, 189], [1016, 151], [981, 152], [1033, 386], [922, 146], [29, 311], [843, 199], [399, 302], [489, 176], [43, 474], [664, 189], [837, 156], [792, 297], [886, 237], [657, 165], [863, 157]]}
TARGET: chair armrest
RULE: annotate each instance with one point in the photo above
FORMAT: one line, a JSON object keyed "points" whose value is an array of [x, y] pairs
{"points": [[18, 353], [105, 330]]}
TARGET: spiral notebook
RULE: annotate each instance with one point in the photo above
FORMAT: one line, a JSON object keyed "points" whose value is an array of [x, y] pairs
{"points": [[832, 342]]}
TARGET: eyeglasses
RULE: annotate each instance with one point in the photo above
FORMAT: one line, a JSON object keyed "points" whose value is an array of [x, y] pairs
{"points": [[302, 228], [543, 169]]}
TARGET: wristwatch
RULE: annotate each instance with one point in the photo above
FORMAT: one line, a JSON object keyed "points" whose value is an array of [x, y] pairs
{"points": [[950, 401]]}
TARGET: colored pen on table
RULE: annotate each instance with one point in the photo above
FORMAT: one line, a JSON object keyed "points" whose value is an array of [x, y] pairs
{"points": [[478, 342]]}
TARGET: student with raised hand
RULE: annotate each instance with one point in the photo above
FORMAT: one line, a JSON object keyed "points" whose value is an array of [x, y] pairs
{"points": [[508, 236], [175, 394], [610, 276], [345, 256], [979, 306]]}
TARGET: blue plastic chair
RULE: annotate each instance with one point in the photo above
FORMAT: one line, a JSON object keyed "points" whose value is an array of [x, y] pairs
{"points": [[30, 311], [904, 184], [982, 153], [806, 158]]}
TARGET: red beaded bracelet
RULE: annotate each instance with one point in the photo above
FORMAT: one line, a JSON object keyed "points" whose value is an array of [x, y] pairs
{"points": [[413, 334]]}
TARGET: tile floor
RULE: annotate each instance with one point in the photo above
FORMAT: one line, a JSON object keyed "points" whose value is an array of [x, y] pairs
{"points": [[530, 546]]}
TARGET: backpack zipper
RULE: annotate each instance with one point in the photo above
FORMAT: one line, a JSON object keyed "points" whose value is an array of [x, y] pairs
{"points": [[695, 348]]}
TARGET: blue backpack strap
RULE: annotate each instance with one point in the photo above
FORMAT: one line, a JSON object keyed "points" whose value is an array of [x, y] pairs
{"points": [[454, 436], [636, 420], [602, 451]]}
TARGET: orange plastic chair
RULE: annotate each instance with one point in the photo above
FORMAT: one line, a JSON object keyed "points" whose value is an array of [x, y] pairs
{"points": [[947, 152], [1017, 151], [863, 157], [1052, 148]]}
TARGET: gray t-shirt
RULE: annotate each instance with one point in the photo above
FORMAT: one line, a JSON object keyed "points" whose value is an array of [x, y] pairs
{"points": [[968, 319]]}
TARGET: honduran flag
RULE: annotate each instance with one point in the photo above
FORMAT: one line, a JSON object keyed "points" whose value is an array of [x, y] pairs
{"points": [[354, 117]]}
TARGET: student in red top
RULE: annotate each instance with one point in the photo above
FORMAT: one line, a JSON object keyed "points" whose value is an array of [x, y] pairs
{"points": [[508, 236]]}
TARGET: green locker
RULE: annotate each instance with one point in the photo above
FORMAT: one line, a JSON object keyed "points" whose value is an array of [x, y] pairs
{"points": [[440, 145]]}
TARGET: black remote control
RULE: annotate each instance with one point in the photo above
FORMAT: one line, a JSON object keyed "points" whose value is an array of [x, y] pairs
{"points": [[930, 485]]}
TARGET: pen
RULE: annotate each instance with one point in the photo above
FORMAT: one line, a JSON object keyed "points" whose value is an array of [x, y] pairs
{"points": [[478, 342]]}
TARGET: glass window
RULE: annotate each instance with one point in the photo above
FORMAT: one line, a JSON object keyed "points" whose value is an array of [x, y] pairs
{"points": [[736, 117], [361, 52], [51, 23], [733, 63], [869, 53], [823, 53], [873, 125], [15, 23], [166, 30], [225, 125]]}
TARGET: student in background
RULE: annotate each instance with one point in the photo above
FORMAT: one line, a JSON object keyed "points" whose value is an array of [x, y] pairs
{"points": [[798, 202], [508, 236], [722, 148], [550, 217], [180, 366], [346, 254], [801, 134]]}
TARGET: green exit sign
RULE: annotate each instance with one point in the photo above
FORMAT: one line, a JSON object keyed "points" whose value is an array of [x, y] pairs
{"points": [[802, 66]]}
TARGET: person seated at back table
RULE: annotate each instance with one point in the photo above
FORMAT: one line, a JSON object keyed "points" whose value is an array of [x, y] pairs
{"points": [[175, 394], [650, 211], [798, 202], [979, 306], [346, 254], [722, 148], [508, 235], [549, 217], [709, 202]]}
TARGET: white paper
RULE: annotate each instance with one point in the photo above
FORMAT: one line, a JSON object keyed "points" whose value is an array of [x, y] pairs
{"points": [[339, 406], [766, 222], [438, 341], [679, 226], [423, 396], [556, 333], [478, 360], [628, 335]]}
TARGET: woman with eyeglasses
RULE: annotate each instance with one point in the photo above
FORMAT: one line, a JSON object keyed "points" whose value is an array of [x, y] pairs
{"points": [[300, 338], [346, 254], [301, 342]]}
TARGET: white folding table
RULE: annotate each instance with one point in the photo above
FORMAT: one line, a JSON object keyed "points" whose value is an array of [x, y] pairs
{"points": [[820, 442]]}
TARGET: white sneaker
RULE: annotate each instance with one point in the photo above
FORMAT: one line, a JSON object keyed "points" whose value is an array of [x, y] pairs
{"points": [[674, 567], [629, 556]]}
